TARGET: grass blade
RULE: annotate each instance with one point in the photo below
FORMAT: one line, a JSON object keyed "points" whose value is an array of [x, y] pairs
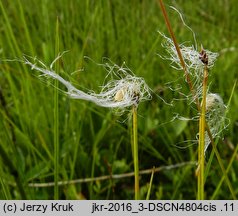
{"points": [[150, 185], [56, 119], [224, 177]]}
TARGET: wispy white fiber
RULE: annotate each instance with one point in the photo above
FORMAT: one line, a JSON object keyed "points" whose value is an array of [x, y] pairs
{"points": [[123, 90]]}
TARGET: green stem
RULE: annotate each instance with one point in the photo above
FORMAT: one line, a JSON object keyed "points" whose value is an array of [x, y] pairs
{"points": [[224, 176], [56, 119], [201, 147], [135, 153], [150, 185]]}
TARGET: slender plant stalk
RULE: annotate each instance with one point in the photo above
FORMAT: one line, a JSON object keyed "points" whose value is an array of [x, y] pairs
{"points": [[94, 155], [56, 120], [188, 80], [135, 153], [223, 177], [224, 172], [150, 186], [201, 143]]}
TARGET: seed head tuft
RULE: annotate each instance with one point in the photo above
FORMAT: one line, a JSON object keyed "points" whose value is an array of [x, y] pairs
{"points": [[123, 90]]}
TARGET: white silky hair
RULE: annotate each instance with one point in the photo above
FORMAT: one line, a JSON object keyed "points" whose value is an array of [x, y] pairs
{"points": [[134, 88]]}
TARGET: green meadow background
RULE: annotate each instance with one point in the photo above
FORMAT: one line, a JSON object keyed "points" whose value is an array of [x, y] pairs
{"points": [[95, 141]]}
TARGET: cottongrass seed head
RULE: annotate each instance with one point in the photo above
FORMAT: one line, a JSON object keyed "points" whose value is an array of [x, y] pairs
{"points": [[192, 59], [215, 116], [123, 89], [120, 92], [195, 62]]}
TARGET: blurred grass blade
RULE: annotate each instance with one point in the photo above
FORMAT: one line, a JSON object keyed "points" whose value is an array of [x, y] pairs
{"points": [[56, 118], [150, 185], [5, 190], [216, 192]]}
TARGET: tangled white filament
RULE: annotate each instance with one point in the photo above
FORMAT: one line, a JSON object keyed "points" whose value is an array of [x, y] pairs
{"points": [[124, 91], [192, 60]]}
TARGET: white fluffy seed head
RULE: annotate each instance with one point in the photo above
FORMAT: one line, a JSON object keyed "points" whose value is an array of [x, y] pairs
{"points": [[123, 90], [215, 108], [190, 55], [193, 62], [214, 102], [215, 116]]}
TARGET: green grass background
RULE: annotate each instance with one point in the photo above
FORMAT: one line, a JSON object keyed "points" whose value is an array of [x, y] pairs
{"points": [[94, 141]]}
